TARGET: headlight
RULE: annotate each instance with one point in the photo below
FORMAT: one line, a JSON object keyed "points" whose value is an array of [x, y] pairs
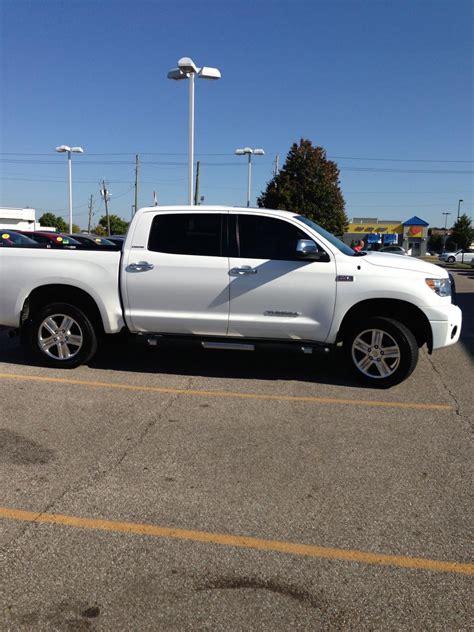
{"points": [[442, 287]]}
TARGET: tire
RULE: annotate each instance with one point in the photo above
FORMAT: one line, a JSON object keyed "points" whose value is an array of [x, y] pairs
{"points": [[381, 352], [451, 259], [61, 335]]}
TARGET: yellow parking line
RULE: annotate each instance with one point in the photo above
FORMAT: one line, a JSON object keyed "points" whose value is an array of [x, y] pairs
{"points": [[227, 394], [276, 546]]}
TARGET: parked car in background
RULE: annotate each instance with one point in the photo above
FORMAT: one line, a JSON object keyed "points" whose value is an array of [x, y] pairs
{"points": [[393, 250], [465, 255], [93, 241], [52, 240], [117, 240], [10, 238]]}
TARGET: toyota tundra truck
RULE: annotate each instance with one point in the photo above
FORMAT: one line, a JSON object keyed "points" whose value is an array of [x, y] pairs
{"points": [[231, 278]]}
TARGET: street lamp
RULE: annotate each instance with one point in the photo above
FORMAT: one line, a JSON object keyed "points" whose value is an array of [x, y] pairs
{"points": [[459, 206], [248, 151], [62, 149], [445, 228], [188, 70]]}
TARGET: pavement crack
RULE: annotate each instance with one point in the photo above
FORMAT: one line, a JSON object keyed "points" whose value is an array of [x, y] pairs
{"points": [[450, 393], [92, 477]]}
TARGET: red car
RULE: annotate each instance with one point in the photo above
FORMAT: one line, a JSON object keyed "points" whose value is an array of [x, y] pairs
{"points": [[51, 240]]}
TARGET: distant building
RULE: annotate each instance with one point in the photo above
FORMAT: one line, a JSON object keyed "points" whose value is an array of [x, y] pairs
{"points": [[20, 219], [411, 234]]}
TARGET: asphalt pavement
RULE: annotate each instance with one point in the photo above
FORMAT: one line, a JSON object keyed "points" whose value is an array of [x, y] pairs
{"points": [[213, 490]]}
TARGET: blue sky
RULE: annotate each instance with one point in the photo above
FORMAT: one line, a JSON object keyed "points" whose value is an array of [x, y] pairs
{"points": [[384, 87]]}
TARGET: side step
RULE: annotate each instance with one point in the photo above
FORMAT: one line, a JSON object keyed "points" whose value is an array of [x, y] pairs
{"points": [[252, 344], [236, 346]]}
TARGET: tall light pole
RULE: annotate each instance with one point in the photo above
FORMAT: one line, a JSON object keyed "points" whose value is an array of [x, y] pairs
{"points": [[445, 228], [459, 206], [62, 149], [187, 69], [248, 151]]}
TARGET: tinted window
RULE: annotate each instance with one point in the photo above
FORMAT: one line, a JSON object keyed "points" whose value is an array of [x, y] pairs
{"points": [[335, 241], [268, 238], [42, 240], [187, 234]]}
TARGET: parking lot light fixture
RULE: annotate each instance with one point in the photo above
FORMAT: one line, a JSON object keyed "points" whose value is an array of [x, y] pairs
{"points": [[445, 229], [248, 151], [63, 149], [459, 206], [187, 69]]}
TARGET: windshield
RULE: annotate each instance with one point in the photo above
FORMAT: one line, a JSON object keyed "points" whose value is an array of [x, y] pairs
{"points": [[340, 245], [16, 238]]}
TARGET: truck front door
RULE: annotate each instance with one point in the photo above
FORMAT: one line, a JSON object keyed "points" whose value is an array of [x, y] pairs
{"points": [[175, 275], [273, 293]]}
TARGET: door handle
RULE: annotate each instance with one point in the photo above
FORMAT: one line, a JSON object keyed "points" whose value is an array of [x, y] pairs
{"points": [[141, 266], [242, 270]]}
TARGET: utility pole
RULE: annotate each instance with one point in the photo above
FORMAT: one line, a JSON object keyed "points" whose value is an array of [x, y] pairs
{"points": [[136, 182], [105, 194], [276, 167], [90, 215], [196, 190]]}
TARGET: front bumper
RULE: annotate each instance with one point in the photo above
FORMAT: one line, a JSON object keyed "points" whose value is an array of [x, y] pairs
{"points": [[445, 325]]}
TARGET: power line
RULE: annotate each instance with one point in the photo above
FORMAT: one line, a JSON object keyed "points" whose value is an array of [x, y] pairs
{"points": [[156, 153]]}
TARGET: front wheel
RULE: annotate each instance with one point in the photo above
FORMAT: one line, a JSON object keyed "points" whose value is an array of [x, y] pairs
{"points": [[382, 352], [451, 259], [61, 335]]}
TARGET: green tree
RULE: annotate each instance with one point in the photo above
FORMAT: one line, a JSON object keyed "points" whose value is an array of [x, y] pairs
{"points": [[462, 233], [435, 243], [49, 219], [118, 226], [308, 184]]}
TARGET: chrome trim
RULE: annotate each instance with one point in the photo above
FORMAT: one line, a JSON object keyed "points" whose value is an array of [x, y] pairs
{"points": [[281, 314], [306, 247], [228, 345], [141, 266], [242, 270]]}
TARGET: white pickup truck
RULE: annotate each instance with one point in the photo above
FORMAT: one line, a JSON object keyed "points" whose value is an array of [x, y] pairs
{"points": [[231, 278]]}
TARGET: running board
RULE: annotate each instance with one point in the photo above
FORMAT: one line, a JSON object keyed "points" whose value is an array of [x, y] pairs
{"points": [[235, 346], [247, 344]]}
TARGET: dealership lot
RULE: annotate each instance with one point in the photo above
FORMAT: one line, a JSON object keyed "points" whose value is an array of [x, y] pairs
{"points": [[179, 490]]}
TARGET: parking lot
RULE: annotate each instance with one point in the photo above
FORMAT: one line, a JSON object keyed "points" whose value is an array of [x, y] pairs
{"points": [[184, 490]]}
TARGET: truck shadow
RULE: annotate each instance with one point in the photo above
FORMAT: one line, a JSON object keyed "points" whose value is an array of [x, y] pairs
{"points": [[259, 365], [126, 355]]}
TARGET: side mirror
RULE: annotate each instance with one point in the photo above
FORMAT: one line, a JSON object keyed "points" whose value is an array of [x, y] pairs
{"points": [[307, 249]]}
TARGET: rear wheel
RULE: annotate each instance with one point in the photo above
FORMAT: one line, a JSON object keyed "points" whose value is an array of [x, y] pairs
{"points": [[61, 335], [381, 351]]}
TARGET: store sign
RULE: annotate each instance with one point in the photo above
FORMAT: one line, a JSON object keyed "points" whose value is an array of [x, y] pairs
{"points": [[374, 238], [415, 231]]}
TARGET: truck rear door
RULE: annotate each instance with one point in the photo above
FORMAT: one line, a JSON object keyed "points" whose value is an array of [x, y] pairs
{"points": [[175, 274]]}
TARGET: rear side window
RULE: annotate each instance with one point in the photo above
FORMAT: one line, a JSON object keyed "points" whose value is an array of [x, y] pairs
{"points": [[187, 234], [262, 237]]}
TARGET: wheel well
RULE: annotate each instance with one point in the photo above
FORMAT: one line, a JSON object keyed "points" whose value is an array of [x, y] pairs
{"points": [[47, 294], [406, 313]]}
